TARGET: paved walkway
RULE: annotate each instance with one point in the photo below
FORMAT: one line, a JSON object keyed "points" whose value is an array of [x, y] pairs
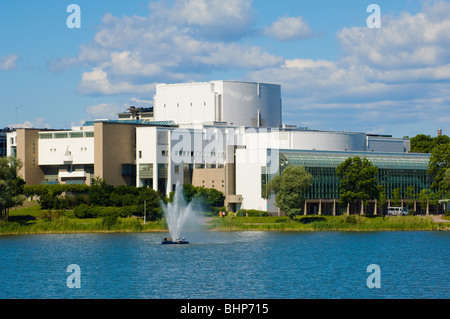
{"points": [[438, 219]]}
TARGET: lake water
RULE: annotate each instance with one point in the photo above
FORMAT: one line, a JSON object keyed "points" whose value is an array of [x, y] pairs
{"points": [[230, 265]]}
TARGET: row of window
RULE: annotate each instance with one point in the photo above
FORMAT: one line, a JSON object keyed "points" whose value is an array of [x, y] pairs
{"points": [[326, 183], [60, 135]]}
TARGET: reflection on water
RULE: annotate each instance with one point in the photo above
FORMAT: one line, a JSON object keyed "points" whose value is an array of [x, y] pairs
{"points": [[227, 265]]}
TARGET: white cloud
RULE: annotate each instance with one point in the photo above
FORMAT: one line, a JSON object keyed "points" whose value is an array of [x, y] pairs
{"points": [[37, 123], [388, 79], [130, 54], [9, 62], [210, 19], [289, 29], [96, 82], [104, 110], [409, 41], [402, 68]]}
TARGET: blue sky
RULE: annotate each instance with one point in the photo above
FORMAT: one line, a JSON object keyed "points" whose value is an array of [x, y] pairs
{"points": [[335, 72]]}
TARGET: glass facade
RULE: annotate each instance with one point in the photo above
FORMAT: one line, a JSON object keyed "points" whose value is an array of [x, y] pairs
{"points": [[395, 170]]}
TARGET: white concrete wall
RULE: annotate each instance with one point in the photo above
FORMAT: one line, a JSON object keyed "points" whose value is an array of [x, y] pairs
{"points": [[52, 151], [11, 141], [188, 103], [242, 100], [328, 141], [249, 163], [147, 152], [304, 140], [234, 102]]}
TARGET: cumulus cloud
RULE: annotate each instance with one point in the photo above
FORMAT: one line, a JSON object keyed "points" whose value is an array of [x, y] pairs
{"points": [[396, 75], [402, 67], [96, 82], [209, 19], [178, 41], [9, 62], [104, 110], [289, 29], [409, 41], [37, 123]]}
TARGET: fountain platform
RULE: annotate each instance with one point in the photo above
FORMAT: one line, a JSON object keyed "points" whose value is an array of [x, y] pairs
{"points": [[174, 242]]}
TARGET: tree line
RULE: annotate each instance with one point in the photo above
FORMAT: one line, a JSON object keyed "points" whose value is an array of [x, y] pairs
{"points": [[98, 200]]}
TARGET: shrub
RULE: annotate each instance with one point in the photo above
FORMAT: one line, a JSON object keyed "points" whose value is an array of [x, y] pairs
{"points": [[46, 215], [82, 211], [350, 219], [86, 211], [109, 221], [252, 213], [295, 211], [447, 212]]}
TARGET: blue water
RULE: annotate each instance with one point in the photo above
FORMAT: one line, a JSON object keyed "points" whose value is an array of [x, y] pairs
{"points": [[228, 265]]}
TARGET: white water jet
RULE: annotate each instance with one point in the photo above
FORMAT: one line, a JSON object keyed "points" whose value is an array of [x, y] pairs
{"points": [[179, 214]]}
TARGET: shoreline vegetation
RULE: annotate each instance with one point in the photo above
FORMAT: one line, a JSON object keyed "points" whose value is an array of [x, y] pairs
{"points": [[31, 219]]}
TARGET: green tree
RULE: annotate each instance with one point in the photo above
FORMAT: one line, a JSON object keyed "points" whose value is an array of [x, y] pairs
{"points": [[100, 192], [410, 195], [358, 181], [447, 179], [438, 165], [290, 188], [397, 196], [427, 197], [11, 186], [422, 143], [152, 202], [381, 199]]}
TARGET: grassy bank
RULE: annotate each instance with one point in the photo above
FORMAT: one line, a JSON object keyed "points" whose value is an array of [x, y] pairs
{"points": [[327, 223], [33, 220]]}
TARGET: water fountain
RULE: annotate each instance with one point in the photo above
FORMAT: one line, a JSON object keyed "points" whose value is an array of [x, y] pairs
{"points": [[178, 214]]}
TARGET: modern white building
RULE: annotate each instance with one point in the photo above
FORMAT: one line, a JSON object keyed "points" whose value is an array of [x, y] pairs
{"points": [[225, 135]]}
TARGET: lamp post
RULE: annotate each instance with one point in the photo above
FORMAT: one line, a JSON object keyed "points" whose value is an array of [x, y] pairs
{"points": [[145, 211]]}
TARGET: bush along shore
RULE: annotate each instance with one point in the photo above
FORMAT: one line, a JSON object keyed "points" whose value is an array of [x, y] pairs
{"points": [[34, 220]]}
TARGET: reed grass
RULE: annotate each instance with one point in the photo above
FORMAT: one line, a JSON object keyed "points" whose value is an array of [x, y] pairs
{"points": [[33, 220], [325, 223]]}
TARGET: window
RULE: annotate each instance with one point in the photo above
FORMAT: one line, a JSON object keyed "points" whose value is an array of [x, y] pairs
{"points": [[164, 153], [44, 136], [76, 134], [177, 169], [140, 154], [61, 135]]}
